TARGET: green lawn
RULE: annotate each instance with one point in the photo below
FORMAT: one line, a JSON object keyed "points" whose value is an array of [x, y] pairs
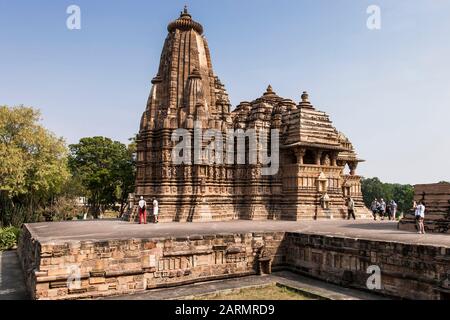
{"points": [[271, 292]]}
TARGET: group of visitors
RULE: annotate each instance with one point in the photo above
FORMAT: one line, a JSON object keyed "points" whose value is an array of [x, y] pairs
{"points": [[384, 209], [389, 210], [379, 208], [143, 211]]}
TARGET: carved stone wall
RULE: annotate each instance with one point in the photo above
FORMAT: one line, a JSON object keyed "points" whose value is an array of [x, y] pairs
{"points": [[408, 271], [310, 183], [117, 267]]}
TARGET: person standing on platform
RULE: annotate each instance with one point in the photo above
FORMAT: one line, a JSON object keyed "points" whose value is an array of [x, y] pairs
{"points": [[420, 217], [374, 208], [351, 209], [388, 210], [142, 211], [382, 209], [393, 206], [155, 210]]}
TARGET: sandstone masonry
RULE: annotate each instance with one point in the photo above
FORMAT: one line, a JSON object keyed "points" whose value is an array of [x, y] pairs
{"points": [[437, 202], [117, 267], [312, 181]]}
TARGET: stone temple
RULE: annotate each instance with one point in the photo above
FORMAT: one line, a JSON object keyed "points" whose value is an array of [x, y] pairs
{"points": [[97, 259], [313, 156]]}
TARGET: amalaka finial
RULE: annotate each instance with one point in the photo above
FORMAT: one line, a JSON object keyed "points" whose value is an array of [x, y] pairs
{"points": [[185, 14], [185, 23], [305, 96], [269, 92]]}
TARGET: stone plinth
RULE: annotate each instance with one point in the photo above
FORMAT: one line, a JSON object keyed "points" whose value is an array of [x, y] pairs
{"points": [[79, 260], [408, 271], [91, 269]]}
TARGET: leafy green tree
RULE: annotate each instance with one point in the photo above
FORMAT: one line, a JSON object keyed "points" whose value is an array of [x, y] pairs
{"points": [[105, 169], [33, 163], [404, 196], [373, 188]]}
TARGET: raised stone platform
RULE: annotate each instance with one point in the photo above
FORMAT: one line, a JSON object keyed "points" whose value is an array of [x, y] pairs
{"points": [[116, 257], [101, 230]]}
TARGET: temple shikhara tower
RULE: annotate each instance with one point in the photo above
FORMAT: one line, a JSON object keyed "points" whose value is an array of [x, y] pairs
{"points": [[317, 163]]}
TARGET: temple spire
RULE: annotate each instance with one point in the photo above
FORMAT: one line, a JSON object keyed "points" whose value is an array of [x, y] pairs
{"points": [[185, 78]]}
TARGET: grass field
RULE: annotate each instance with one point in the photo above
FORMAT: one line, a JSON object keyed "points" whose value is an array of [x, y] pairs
{"points": [[271, 292]]}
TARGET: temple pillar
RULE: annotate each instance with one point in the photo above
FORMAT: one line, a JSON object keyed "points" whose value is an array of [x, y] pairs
{"points": [[300, 154], [353, 165], [318, 157], [334, 159]]}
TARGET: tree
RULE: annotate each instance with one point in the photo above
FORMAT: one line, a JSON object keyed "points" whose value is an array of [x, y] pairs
{"points": [[33, 162], [373, 188], [105, 169], [404, 196], [127, 174]]}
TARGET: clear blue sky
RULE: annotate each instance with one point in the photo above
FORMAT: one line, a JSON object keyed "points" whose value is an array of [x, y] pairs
{"points": [[388, 90]]}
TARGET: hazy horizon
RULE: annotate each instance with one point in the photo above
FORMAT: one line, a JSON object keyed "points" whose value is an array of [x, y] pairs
{"points": [[387, 90]]}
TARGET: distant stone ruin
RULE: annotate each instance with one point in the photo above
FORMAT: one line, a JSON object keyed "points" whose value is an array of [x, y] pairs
{"points": [[436, 198]]}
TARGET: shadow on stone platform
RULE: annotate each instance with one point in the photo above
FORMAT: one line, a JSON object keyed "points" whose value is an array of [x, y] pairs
{"points": [[12, 285]]}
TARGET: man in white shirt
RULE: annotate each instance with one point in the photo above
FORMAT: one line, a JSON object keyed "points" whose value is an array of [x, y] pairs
{"points": [[393, 206], [155, 210], [420, 217], [142, 211], [350, 209], [382, 209]]}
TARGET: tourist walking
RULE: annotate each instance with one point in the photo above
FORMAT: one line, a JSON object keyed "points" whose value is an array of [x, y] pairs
{"points": [[388, 210], [420, 217], [393, 207], [351, 209], [374, 207], [382, 209], [142, 211], [155, 211]]}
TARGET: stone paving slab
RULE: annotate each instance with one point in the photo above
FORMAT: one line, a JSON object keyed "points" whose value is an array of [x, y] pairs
{"points": [[98, 230], [307, 285], [12, 285]]}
